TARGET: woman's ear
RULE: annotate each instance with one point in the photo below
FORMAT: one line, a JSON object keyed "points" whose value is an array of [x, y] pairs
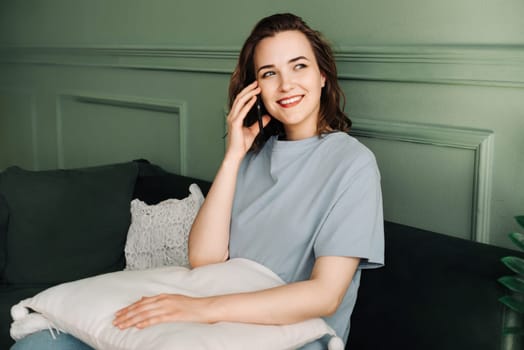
{"points": [[322, 80]]}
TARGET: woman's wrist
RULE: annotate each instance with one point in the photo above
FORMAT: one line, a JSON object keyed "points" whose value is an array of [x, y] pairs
{"points": [[232, 159], [211, 311]]}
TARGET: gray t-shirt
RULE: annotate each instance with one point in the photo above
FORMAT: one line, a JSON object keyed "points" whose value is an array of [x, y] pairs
{"points": [[297, 200]]}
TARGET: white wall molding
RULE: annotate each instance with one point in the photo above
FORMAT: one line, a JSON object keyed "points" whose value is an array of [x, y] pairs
{"points": [[481, 142], [485, 65], [135, 102]]}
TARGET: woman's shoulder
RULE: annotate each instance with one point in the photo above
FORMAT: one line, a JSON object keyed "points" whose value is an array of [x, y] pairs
{"points": [[347, 157], [345, 146]]}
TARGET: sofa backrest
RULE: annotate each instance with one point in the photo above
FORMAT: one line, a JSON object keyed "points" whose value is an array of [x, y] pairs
{"points": [[154, 184], [435, 292], [66, 224]]}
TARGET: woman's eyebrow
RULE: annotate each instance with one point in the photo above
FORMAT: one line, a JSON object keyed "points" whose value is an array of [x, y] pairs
{"points": [[298, 58], [290, 61]]}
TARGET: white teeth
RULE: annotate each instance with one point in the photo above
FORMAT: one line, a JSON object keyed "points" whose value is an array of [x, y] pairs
{"points": [[290, 100]]}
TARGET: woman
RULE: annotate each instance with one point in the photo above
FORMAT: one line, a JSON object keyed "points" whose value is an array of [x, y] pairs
{"points": [[302, 197]]}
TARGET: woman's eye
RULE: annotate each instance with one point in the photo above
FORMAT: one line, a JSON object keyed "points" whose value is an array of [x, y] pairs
{"points": [[300, 66], [267, 74]]}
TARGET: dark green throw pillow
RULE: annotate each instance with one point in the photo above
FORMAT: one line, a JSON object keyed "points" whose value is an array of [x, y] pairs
{"points": [[66, 224]]}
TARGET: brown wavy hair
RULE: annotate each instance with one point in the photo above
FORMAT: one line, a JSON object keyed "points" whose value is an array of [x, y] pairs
{"points": [[332, 98]]}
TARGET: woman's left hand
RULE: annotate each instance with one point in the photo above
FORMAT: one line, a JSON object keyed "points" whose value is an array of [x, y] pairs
{"points": [[150, 311]]}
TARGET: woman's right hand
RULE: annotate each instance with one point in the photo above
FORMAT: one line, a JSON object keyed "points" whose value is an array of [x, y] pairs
{"points": [[240, 137], [209, 236]]}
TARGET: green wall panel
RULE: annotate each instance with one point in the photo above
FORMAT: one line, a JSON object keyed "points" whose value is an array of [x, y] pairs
{"points": [[227, 22], [18, 129], [432, 177], [436, 90], [98, 129]]}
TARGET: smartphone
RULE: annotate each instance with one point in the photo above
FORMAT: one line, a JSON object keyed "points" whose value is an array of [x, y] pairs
{"points": [[255, 115]]}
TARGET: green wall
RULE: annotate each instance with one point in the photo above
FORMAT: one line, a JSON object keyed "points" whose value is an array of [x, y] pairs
{"points": [[436, 90]]}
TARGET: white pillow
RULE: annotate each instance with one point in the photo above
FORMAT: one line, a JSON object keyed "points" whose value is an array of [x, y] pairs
{"points": [[158, 233], [86, 308]]}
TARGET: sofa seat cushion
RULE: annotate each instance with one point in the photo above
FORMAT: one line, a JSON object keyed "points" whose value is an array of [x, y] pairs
{"points": [[66, 224]]}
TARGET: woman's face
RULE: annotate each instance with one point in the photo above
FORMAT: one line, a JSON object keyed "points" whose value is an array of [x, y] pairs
{"points": [[291, 82]]}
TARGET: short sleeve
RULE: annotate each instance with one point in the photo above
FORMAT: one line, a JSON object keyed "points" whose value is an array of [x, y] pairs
{"points": [[354, 225]]}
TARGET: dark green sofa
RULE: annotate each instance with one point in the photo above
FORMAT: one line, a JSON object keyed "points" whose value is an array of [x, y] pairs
{"points": [[436, 292]]}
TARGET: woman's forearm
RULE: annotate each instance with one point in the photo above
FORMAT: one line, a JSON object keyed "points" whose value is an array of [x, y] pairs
{"points": [[280, 305], [209, 235], [319, 296]]}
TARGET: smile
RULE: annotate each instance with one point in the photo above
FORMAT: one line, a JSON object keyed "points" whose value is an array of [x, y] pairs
{"points": [[291, 101]]}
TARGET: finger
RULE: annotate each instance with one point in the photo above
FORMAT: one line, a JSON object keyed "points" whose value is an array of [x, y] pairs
{"points": [[143, 318], [136, 304], [255, 129], [154, 318], [248, 88], [142, 305], [241, 100], [246, 92], [266, 118], [131, 318], [238, 108], [241, 115]]}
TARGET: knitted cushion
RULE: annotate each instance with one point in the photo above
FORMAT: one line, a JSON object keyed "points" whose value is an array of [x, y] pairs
{"points": [[66, 224], [158, 235]]}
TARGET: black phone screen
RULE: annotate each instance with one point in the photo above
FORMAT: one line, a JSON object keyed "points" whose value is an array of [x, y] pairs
{"points": [[255, 114]]}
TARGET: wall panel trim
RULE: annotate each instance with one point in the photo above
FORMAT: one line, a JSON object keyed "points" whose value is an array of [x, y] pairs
{"points": [[481, 142], [481, 65], [478, 65], [135, 102]]}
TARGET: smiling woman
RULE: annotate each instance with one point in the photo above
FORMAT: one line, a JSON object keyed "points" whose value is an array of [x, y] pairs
{"points": [[290, 81], [316, 54], [302, 199], [282, 197]]}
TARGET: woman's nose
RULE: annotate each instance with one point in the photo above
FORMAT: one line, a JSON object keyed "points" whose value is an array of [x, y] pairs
{"points": [[286, 82]]}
